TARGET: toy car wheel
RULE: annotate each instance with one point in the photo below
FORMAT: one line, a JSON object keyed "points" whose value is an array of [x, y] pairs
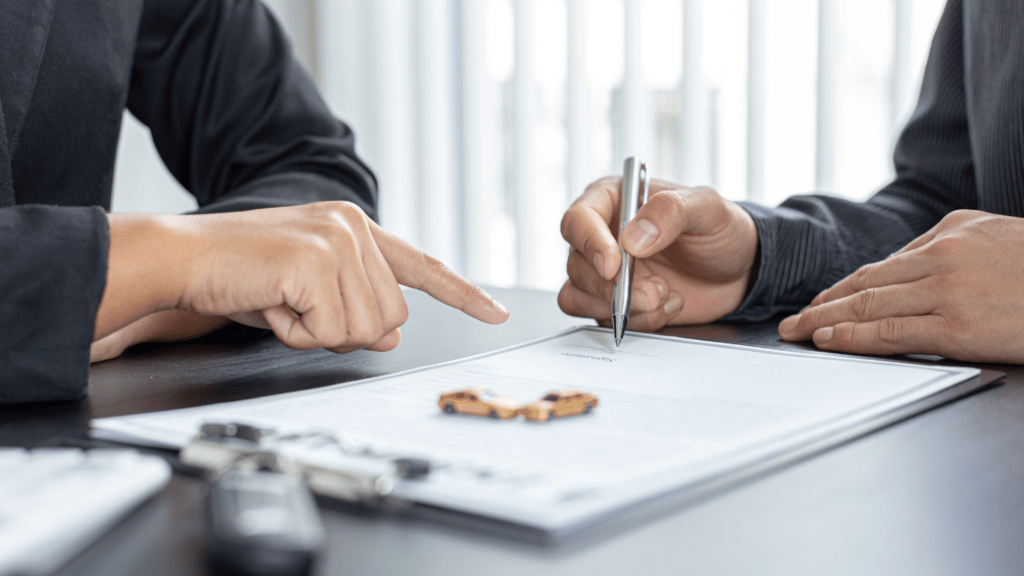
{"points": [[589, 408], [494, 414], [449, 408]]}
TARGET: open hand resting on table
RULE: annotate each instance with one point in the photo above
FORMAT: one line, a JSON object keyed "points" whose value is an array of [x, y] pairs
{"points": [[694, 249], [956, 291], [319, 275]]}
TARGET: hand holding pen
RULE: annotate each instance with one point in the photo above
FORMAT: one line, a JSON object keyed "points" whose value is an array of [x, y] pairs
{"points": [[692, 251]]}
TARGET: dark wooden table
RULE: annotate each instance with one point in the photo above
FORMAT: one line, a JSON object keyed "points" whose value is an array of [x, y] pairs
{"points": [[942, 493]]}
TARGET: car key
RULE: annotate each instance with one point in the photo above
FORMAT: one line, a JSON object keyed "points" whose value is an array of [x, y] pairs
{"points": [[262, 524]]}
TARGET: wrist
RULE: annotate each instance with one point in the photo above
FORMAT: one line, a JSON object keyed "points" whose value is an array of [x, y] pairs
{"points": [[144, 270], [176, 326], [152, 251]]}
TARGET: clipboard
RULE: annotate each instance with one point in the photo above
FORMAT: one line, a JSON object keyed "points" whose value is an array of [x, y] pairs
{"points": [[920, 388]]}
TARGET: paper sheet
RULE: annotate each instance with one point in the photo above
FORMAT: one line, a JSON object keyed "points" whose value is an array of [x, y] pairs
{"points": [[673, 413]]}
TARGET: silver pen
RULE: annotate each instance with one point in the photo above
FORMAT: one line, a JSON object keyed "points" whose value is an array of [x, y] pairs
{"points": [[633, 173]]}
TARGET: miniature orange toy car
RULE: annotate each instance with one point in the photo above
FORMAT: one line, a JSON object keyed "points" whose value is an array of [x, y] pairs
{"points": [[559, 403], [479, 402]]}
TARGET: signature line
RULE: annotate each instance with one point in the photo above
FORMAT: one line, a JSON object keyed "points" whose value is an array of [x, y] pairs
{"points": [[613, 351]]}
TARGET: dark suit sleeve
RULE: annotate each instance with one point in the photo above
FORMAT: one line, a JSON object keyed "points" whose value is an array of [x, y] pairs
{"points": [[811, 242], [55, 269], [234, 116]]}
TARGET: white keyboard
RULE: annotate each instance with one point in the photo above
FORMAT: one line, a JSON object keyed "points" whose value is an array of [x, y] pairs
{"points": [[56, 501]]}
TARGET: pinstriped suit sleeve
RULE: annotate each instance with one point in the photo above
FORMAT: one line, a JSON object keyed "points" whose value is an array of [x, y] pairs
{"points": [[811, 242]]}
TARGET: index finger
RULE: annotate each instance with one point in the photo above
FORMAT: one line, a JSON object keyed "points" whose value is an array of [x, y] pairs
{"points": [[586, 225], [897, 269], [591, 224], [416, 269]]}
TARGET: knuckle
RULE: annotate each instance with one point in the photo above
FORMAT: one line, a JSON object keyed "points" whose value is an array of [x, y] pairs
{"points": [[400, 316], [344, 218], [598, 192], [366, 332], [943, 247], [711, 202], [435, 267], [941, 288], [437, 272], [572, 265], [586, 244], [328, 333], [949, 283], [350, 210], [335, 339], [890, 332], [959, 324], [394, 315], [705, 195], [566, 223], [335, 230], [337, 248], [961, 216], [565, 298], [810, 317], [861, 277], [669, 204], [316, 253], [863, 304]]}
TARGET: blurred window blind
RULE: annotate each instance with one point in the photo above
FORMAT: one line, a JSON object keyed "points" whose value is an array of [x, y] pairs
{"points": [[484, 119]]}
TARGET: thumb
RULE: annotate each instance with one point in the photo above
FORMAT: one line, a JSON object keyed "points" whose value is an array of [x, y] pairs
{"points": [[669, 214]]}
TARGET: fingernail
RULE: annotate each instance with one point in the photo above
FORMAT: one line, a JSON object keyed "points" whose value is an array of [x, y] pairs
{"points": [[823, 335], [599, 263], [674, 304], [788, 324], [641, 234]]}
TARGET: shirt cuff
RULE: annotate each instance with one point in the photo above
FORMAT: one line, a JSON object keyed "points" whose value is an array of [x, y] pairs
{"points": [[798, 259]]}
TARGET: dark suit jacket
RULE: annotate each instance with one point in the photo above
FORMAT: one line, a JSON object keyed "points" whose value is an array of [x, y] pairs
{"points": [[962, 148], [232, 114]]}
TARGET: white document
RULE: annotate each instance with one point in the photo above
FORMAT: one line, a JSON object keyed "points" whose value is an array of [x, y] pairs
{"points": [[673, 413]]}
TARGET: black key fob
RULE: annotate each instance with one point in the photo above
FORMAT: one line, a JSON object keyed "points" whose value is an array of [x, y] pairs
{"points": [[262, 524]]}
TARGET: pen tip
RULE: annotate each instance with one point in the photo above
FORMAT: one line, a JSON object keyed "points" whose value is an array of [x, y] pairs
{"points": [[618, 341]]}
